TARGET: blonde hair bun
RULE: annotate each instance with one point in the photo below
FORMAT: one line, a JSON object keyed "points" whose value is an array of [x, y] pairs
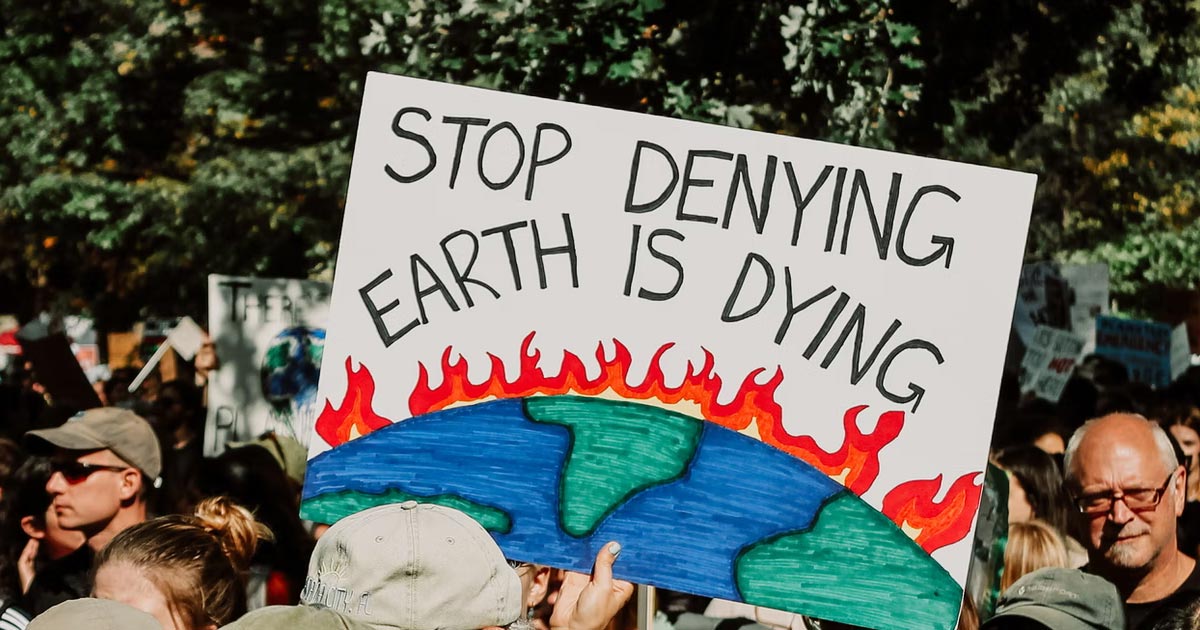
{"points": [[234, 526]]}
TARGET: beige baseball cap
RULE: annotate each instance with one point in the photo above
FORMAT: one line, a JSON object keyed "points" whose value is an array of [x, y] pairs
{"points": [[413, 566], [93, 614], [295, 618], [119, 430]]}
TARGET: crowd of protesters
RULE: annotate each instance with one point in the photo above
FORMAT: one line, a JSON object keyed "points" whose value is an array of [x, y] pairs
{"points": [[113, 517]]}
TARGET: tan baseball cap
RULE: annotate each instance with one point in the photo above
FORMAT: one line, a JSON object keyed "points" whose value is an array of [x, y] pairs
{"points": [[295, 618], [93, 614], [287, 450], [119, 430], [413, 566]]}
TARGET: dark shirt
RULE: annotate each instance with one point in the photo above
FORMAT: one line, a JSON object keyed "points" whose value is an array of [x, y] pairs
{"points": [[1188, 529], [180, 466], [1137, 615], [67, 578]]}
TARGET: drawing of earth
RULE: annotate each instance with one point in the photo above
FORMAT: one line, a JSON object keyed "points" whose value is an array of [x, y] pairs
{"points": [[697, 507], [289, 373]]}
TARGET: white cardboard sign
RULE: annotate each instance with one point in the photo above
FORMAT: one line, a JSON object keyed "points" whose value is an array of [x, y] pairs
{"points": [[497, 246], [269, 335]]}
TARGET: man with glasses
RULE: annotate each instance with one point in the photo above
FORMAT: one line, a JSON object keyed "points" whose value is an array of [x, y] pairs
{"points": [[1129, 490], [103, 463]]}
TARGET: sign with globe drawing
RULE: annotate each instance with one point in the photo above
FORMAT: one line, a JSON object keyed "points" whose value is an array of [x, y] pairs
{"points": [[766, 365], [270, 336]]}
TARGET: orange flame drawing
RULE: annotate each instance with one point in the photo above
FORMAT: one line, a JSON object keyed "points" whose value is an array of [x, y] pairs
{"points": [[355, 417], [911, 506]]}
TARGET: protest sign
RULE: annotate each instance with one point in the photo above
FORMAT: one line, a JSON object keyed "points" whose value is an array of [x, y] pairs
{"points": [[1181, 351], [1043, 299], [1049, 360], [269, 334], [8, 339], [56, 368], [123, 350], [185, 338], [1144, 348], [991, 537], [766, 365], [1089, 298]]}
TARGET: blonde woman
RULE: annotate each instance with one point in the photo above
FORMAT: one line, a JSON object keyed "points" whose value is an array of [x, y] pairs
{"points": [[186, 571], [1032, 545]]}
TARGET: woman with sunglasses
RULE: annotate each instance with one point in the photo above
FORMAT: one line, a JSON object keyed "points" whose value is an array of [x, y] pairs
{"points": [[186, 571]]}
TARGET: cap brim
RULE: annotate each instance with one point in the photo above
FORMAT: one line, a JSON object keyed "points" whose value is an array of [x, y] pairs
{"points": [[64, 437], [1049, 617]]}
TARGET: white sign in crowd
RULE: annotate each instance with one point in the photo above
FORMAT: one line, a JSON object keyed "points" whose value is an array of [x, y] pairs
{"points": [[269, 334], [496, 232]]}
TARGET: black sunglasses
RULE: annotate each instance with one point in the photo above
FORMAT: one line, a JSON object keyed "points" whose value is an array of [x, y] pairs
{"points": [[76, 472]]}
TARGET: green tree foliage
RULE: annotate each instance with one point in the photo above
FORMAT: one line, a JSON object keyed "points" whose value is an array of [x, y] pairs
{"points": [[151, 142]]}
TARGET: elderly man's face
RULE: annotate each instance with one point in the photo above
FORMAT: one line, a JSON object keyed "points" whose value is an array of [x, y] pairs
{"points": [[1118, 465]]}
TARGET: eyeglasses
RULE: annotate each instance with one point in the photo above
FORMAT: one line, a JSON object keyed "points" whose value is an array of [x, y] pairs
{"points": [[77, 472], [517, 565], [1136, 499]]}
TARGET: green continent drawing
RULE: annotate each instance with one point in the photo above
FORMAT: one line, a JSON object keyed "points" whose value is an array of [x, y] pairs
{"points": [[330, 507], [651, 446], [850, 550]]}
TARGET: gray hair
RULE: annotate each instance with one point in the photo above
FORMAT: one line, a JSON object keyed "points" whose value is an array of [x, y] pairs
{"points": [[1166, 448]]}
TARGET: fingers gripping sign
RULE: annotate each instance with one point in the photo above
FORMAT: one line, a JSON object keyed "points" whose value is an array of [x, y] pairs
{"points": [[590, 602]]}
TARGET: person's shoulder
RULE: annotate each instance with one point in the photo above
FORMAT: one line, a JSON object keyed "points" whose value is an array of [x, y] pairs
{"points": [[1192, 583], [13, 618]]}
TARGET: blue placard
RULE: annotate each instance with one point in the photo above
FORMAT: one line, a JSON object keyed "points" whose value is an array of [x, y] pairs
{"points": [[1143, 347]]}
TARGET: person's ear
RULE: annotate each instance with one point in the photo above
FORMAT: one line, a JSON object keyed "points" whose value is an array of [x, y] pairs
{"points": [[539, 586], [32, 528], [131, 484]]}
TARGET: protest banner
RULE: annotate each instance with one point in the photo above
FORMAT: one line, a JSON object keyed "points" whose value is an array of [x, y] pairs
{"points": [[766, 365], [1150, 351], [269, 334], [1049, 360]]}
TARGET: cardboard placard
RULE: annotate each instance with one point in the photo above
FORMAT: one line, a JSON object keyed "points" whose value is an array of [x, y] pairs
{"points": [[268, 334], [1050, 359], [581, 308]]}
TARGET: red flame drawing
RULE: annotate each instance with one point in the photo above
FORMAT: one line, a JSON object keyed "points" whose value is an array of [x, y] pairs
{"points": [[355, 417], [937, 524], [855, 464], [858, 459]]}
